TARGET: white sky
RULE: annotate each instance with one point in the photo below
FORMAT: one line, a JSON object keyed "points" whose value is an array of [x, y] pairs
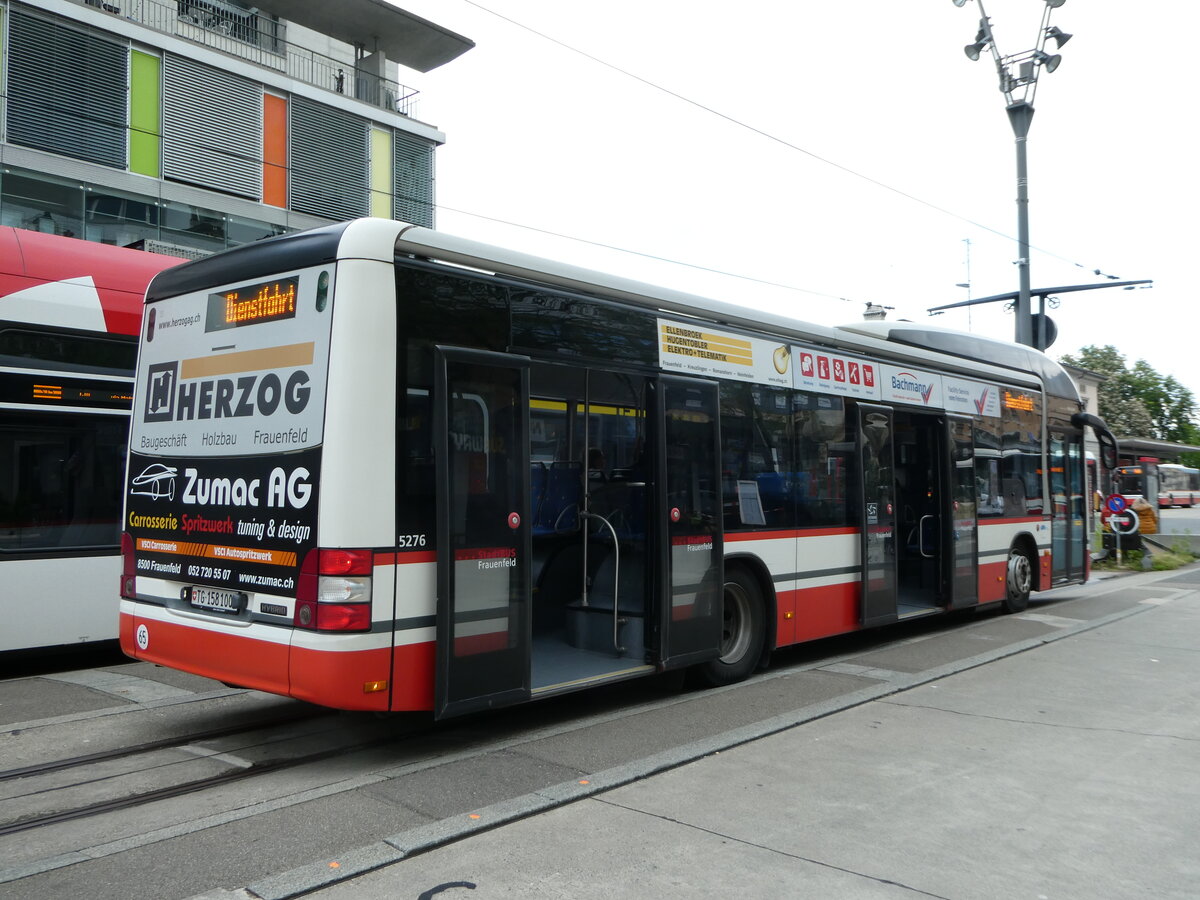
{"points": [[542, 137]]}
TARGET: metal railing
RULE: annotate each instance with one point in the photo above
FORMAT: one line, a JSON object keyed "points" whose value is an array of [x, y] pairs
{"points": [[251, 36]]}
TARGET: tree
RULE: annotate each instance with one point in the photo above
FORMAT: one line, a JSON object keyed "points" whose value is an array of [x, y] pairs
{"points": [[1139, 402]]}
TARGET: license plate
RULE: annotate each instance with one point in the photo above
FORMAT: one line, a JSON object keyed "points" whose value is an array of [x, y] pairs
{"points": [[216, 599]]}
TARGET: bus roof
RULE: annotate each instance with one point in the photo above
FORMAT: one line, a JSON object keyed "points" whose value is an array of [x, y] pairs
{"points": [[383, 239], [46, 279]]}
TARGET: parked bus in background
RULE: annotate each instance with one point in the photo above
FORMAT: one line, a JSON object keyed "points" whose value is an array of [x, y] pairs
{"points": [[1177, 485], [378, 467], [1166, 484], [69, 315]]}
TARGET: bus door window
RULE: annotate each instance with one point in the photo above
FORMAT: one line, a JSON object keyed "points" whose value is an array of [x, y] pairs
{"points": [[483, 558], [690, 528], [963, 511], [611, 429], [877, 514], [921, 506], [1064, 455]]}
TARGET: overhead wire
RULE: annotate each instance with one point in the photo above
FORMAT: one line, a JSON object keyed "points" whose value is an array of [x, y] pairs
{"points": [[644, 255], [733, 120]]}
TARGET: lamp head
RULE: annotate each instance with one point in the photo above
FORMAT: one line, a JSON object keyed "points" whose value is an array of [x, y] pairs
{"points": [[1060, 36], [1050, 62], [960, 3]]}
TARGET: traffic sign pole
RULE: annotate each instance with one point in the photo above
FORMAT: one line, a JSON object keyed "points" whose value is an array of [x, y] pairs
{"points": [[1122, 521]]}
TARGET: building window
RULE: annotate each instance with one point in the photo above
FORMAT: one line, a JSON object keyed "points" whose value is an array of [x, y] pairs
{"points": [[41, 203], [67, 91]]}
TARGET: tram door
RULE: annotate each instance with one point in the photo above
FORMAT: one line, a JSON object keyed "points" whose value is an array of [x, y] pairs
{"points": [[480, 439]]}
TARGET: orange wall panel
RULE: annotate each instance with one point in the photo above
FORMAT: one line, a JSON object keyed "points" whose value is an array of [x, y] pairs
{"points": [[275, 142]]}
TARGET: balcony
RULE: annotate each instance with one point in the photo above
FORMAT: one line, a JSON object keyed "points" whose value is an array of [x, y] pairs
{"points": [[255, 37]]}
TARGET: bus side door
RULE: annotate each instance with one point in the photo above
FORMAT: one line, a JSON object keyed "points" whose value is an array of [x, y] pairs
{"points": [[481, 411], [878, 515], [963, 513], [689, 524]]}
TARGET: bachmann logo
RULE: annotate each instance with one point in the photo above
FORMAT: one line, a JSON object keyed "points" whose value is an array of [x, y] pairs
{"points": [[908, 383]]}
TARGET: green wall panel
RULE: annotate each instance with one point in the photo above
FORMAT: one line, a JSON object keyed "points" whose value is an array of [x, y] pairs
{"points": [[145, 114]]}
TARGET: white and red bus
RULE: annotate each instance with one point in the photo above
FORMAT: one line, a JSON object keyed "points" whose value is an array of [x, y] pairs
{"points": [[378, 467], [1174, 485], [69, 315], [1178, 485]]}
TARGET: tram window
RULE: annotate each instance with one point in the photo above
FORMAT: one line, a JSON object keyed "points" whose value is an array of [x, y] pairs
{"points": [[65, 492], [824, 460], [757, 471], [52, 350]]}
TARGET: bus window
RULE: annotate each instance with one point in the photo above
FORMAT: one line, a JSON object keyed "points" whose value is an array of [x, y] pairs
{"points": [[824, 448], [757, 474]]}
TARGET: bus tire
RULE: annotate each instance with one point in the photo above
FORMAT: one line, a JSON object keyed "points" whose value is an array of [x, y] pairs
{"points": [[743, 630], [1018, 581]]}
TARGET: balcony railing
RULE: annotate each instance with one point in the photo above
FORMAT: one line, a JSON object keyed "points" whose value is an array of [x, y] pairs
{"points": [[249, 35]]}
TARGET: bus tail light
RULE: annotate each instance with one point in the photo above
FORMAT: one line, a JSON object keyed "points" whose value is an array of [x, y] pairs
{"points": [[334, 590], [128, 567]]}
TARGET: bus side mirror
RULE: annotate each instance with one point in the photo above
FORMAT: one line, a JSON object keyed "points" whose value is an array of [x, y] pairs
{"points": [[1108, 449], [1108, 443]]}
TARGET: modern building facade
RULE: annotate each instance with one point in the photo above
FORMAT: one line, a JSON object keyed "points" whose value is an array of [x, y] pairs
{"points": [[195, 125]]}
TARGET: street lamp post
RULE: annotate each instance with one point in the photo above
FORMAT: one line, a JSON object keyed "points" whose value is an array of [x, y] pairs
{"points": [[1018, 82]]}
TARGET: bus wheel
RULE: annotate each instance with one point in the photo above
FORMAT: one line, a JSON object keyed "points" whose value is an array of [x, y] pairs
{"points": [[1018, 582], [743, 630]]}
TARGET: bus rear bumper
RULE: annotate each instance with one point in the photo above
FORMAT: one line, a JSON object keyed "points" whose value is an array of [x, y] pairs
{"points": [[148, 634]]}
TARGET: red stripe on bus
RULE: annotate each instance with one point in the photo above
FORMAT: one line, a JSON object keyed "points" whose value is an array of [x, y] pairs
{"points": [[405, 557]]}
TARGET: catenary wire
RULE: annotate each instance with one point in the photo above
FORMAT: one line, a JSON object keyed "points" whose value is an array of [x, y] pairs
{"points": [[762, 133]]}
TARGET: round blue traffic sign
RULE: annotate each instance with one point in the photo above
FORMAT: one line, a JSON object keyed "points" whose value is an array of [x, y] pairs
{"points": [[1116, 503]]}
